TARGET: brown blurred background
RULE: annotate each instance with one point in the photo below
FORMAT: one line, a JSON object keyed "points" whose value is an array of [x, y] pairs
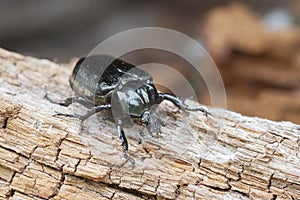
{"points": [[255, 44]]}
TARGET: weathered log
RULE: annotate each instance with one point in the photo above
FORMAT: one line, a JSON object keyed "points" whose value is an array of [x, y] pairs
{"points": [[220, 156]]}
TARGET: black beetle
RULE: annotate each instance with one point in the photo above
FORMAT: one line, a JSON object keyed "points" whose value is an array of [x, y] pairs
{"points": [[102, 82]]}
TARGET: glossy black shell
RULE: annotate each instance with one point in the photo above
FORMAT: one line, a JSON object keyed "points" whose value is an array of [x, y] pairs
{"points": [[95, 77]]}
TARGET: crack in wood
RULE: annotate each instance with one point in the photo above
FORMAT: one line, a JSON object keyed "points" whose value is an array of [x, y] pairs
{"points": [[60, 184], [158, 184], [133, 192], [11, 193], [112, 196], [5, 122], [270, 182]]}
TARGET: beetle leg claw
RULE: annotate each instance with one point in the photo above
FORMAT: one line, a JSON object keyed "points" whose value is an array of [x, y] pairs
{"points": [[128, 158]]}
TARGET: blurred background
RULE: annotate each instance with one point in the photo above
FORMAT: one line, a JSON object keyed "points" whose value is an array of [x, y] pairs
{"points": [[255, 44]]}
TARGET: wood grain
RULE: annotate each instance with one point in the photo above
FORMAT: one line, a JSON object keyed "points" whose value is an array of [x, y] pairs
{"points": [[222, 156]]}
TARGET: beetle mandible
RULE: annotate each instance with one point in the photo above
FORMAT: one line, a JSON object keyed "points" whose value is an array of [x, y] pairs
{"points": [[102, 82]]}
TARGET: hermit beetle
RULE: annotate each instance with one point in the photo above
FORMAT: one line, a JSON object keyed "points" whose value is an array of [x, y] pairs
{"points": [[103, 82]]}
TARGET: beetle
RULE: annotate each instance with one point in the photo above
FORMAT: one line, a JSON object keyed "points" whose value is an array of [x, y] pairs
{"points": [[103, 82]]}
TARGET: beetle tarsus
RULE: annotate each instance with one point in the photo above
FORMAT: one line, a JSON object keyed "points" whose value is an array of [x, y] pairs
{"points": [[67, 115], [71, 100], [123, 139], [89, 113], [128, 158], [66, 102]]}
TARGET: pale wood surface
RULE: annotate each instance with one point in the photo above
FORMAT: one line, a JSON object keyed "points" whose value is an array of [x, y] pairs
{"points": [[221, 156]]}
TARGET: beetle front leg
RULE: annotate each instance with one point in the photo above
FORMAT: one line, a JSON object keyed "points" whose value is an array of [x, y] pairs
{"points": [[124, 142], [180, 104]]}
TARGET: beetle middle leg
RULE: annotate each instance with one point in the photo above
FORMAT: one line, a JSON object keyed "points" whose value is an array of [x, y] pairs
{"points": [[122, 136], [71, 100], [179, 103], [89, 113], [94, 110]]}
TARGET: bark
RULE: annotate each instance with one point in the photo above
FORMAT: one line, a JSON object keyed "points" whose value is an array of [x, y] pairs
{"points": [[220, 156]]}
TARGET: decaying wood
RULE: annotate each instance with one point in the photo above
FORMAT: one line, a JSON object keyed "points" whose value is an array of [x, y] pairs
{"points": [[221, 156]]}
